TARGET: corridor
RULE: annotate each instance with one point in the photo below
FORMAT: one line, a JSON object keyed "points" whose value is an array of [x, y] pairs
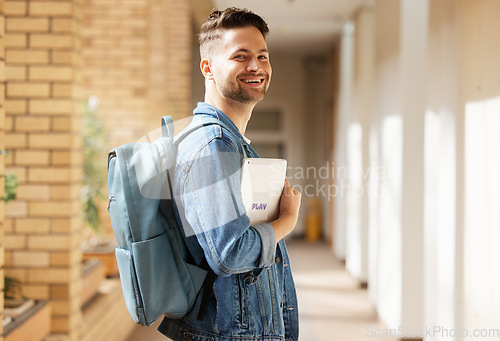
{"points": [[332, 306], [387, 112]]}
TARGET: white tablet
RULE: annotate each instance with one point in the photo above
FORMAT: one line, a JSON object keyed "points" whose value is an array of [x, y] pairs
{"points": [[262, 181]]}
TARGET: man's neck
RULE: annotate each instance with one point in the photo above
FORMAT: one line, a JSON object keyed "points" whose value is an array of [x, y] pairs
{"points": [[239, 113]]}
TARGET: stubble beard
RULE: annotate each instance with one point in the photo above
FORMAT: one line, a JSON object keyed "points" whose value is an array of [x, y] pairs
{"points": [[234, 91]]}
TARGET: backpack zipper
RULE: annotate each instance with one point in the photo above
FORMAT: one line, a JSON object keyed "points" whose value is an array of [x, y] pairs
{"points": [[111, 198]]}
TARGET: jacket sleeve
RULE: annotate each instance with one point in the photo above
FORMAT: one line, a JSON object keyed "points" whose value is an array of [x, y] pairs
{"points": [[214, 213]]}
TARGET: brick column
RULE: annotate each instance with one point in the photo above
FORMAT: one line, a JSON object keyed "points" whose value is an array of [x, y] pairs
{"points": [[43, 136], [2, 158], [137, 61], [179, 33], [170, 52], [115, 59]]}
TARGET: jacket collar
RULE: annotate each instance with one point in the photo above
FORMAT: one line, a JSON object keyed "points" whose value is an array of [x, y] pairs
{"points": [[208, 109]]}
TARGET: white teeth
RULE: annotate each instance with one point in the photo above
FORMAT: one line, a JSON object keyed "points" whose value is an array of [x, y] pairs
{"points": [[253, 81]]}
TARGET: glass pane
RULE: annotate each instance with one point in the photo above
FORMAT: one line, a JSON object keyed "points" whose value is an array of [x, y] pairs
{"points": [[273, 150], [265, 120]]}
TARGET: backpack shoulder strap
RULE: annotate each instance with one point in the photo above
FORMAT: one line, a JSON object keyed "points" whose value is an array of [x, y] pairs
{"points": [[167, 127], [167, 122], [204, 122]]}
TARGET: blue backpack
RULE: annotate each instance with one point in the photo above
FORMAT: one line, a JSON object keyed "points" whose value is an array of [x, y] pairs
{"points": [[154, 263]]}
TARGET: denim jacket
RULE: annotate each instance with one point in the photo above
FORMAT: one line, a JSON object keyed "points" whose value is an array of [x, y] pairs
{"points": [[253, 297]]}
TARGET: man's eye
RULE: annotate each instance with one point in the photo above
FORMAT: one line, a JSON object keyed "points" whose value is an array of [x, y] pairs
{"points": [[239, 57], [263, 57]]}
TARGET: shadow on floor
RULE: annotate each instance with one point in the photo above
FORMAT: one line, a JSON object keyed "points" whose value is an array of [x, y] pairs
{"points": [[332, 305]]}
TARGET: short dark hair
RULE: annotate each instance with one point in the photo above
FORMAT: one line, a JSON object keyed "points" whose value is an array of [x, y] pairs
{"points": [[231, 17]]}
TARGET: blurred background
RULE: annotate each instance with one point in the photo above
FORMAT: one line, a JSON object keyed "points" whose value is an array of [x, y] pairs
{"points": [[388, 112]]}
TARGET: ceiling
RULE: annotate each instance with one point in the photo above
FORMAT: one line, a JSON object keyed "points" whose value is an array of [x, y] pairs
{"points": [[299, 26]]}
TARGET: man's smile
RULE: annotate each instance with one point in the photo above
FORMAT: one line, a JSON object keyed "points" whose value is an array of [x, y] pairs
{"points": [[253, 81]]}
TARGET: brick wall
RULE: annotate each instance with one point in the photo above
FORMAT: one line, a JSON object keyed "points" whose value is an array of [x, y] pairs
{"points": [[135, 57], [171, 37], [137, 61], [115, 62], [43, 125], [2, 158]]}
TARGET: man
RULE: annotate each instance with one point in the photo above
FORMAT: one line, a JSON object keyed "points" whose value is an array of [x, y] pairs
{"points": [[253, 296]]}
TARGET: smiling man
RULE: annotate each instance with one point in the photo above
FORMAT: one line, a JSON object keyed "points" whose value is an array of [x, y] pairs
{"points": [[253, 295], [235, 63]]}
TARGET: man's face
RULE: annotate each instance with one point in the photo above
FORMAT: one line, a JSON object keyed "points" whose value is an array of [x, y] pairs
{"points": [[240, 65]]}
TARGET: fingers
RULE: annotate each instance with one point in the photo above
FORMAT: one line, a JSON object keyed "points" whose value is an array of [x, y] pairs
{"points": [[288, 188]]}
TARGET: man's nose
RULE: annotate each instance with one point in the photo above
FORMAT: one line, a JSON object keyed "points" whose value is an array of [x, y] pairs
{"points": [[253, 65]]}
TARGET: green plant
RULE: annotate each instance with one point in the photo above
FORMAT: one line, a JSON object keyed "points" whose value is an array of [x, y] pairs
{"points": [[11, 182], [12, 288], [94, 175]]}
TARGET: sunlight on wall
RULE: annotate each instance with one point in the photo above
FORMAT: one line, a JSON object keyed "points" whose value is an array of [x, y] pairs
{"points": [[482, 213], [389, 218], [354, 198], [373, 181], [439, 215], [344, 110]]}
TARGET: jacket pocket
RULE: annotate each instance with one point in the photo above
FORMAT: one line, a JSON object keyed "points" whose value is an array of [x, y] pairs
{"points": [[245, 281], [243, 302]]}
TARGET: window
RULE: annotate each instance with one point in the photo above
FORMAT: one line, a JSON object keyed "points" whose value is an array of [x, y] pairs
{"points": [[266, 131]]}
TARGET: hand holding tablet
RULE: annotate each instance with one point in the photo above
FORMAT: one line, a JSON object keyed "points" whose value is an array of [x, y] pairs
{"points": [[262, 181]]}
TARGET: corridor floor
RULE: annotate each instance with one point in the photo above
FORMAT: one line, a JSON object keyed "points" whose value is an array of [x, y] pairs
{"points": [[332, 306]]}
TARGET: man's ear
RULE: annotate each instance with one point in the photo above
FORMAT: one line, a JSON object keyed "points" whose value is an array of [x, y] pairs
{"points": [[206, 68]]}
